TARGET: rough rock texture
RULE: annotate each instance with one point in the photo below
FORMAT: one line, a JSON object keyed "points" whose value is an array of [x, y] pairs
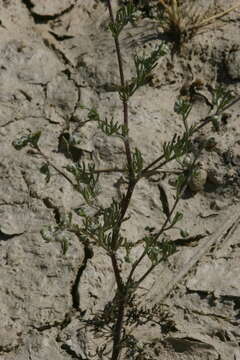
{"points": [[54, 56]]}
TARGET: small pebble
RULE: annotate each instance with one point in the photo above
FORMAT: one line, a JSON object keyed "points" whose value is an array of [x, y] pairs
{"points": [[3, 131], [198, 180], [215, 176]]}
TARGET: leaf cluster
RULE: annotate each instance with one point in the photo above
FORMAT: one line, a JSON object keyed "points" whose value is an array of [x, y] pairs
{"points": [[100, 228], [102, 322], [183, 108], [124, 15], [30, 139], [110, 127], [92, 114], [221, 98], [159, 251], [144, 65], [135, 349], [158, 315], [178, 146], [60, 232], [86, 179], [140, 315]]}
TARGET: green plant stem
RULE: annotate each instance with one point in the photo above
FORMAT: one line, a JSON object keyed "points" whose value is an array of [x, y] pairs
{"points": [[158, 167], [117, 272], [231, 103], [124, 206], [145, 275], [144, 253], [117, 332], [125, 104], [132, 182], [152, 164], [106, 171], [126, 200]]}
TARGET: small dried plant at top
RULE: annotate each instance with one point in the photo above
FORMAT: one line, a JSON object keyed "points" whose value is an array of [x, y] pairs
{"points": [[183, 19], [101, 226]]}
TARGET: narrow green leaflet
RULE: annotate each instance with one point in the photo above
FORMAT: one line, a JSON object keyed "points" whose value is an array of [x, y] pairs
{"points": [[178, 217], [182, 107], [178, 146], [161, 251], [109, 127], [164, 200], [221, 98], [34, 138], [46, 171], [93, 115], [137, 161], [145, 65]]}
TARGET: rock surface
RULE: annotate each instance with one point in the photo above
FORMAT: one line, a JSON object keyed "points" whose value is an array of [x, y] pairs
{"points": [[56, 55]]}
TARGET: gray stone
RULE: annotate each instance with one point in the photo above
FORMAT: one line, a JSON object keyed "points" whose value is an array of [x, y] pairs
{"points": [[54, 7], [233, 65], [219, 276]]}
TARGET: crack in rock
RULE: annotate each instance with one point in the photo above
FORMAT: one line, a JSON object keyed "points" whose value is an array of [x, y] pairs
{"points": [[56, 324], [88, 254], [5, 237], [60, 37], [56, 210], [58, 52], [43, 19], [71, 352]]}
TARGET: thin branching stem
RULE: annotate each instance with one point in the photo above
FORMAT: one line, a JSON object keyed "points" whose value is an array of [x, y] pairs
{"points": [[138, 282], [157, 171], [163, 163], [231, 103], [161, 157], [117, 332], [108, 171], [149, 168], [209, 118], [54, 166], [117, 272], [125, 103], [159, 233]]}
